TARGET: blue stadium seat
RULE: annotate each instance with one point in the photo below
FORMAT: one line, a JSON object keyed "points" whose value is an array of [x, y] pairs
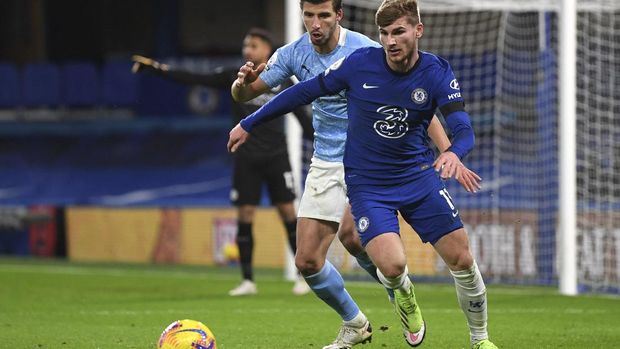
{"points": [[41, 86], [10, 96], [80, 85], [119, 85]]}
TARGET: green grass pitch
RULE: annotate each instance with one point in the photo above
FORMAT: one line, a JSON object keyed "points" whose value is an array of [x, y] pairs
{"points": [[55, 304]]}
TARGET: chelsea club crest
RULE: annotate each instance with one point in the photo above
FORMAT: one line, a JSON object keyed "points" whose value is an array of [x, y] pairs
{"points": [[419, 96]]}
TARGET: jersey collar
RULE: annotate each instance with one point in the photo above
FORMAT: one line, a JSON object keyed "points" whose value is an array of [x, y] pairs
{"points": [[415, 66]]}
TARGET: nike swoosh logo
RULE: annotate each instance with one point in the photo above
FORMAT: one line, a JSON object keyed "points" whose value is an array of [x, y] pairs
{"points": [[366, 86], [454, 214]]}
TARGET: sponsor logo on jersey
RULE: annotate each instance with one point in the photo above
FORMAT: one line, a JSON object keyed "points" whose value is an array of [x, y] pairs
{"points": [[454, 84], [363, 224], [452, 96], [395, 123], [419, 96], [366, 86]]}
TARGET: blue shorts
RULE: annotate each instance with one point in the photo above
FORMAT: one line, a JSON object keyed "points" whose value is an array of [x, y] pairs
{"points": [[423, 202]]}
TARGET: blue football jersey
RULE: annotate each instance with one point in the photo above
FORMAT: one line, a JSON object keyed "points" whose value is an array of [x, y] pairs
{"points": [[301, 60], [389, 113]]}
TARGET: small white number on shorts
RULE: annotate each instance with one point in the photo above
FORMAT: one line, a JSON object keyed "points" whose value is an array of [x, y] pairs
{"points": [[446, 195]]}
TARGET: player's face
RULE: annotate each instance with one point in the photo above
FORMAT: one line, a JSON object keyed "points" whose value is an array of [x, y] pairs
{"points": [[255, 49], [400, 42], [321, 22]]}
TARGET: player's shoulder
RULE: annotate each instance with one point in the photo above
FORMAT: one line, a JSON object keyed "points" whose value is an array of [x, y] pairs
{"points": [[294, 47], [355, 40], [366, 53], [433, 61]]}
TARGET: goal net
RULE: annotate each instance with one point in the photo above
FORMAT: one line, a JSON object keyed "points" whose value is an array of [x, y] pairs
{"points": [[505, 55]]}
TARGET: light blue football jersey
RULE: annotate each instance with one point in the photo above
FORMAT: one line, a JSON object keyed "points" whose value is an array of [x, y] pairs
{"points": [[301, 60]]}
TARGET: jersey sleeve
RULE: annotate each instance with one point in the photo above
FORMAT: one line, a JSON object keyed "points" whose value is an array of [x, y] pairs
{"points": [[447, 92], [278, 67], [452, 106], [285, 102], [335, 78]]}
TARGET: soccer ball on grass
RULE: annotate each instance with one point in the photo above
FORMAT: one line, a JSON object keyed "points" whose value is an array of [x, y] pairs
{"points": [[186, 334]]}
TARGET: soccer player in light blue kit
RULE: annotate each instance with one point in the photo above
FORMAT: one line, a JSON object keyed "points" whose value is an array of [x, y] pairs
{"points": [[323, 203], [392, 95]]}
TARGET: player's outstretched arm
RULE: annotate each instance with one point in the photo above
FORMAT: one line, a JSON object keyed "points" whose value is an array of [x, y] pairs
{"points": [[141, 63], [248, 85], [468, 178]]}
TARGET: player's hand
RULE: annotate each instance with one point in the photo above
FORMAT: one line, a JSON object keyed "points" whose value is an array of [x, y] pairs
{"points": [[141, 63], [449, 165], [468, 179], [236, 137], [247, 74]]}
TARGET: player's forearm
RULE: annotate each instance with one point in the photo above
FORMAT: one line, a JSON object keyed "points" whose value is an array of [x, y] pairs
{"points": [[285, 102], [438, 134], [242, 93], [463, 133]]}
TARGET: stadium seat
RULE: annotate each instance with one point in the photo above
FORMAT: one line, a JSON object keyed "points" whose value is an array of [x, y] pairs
{"points": [[119, 85], [80, 85], [9, 86], [41, 86]]}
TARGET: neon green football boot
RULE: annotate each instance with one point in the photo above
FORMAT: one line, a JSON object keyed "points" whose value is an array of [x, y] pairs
{"points": [[484, 344], [414, 327]]}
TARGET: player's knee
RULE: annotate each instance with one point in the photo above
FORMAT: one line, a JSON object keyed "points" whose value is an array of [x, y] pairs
{"points": [[394, 269], [461, 261], [308, 265]]}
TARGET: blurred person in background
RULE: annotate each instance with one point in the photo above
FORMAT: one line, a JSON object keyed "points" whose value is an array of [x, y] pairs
{"points": [[264, 160]]}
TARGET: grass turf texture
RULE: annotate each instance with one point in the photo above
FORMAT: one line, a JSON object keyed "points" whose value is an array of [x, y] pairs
{"points": [[56, 304]]}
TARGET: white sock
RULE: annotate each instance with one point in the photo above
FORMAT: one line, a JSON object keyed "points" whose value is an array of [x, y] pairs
{"points": [[358, 321], [472, 296], [401, 282]]}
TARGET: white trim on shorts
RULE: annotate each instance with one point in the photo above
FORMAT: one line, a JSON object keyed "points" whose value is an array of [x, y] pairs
{"points": [[325, 192]]}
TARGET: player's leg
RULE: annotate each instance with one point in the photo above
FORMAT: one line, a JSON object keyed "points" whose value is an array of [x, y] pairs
{"points": [[377, 222], [246, 196], [470, 289], [320, 211], [279, 179], [436, 220], [350, 240]]}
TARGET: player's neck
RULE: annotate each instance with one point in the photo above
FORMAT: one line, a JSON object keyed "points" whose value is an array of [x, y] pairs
{"points": [[406, 64], [331, 44]]}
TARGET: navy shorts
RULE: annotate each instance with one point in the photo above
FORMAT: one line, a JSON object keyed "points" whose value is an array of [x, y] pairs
{"points": [[423, 202], [250, 174]]}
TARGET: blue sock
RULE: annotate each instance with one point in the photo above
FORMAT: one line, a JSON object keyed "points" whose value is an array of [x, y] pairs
{"points": [[364, 261], [329, 286]]}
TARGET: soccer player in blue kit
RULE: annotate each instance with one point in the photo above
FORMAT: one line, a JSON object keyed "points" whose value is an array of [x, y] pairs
{"points": [[392, 94]]}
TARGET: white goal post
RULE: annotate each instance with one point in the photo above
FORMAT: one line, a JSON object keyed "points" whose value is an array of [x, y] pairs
{"points": [[540, 81]]}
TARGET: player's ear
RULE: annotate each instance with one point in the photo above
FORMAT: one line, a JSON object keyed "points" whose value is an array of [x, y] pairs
{"points": [[419, 30], [339, 15]]}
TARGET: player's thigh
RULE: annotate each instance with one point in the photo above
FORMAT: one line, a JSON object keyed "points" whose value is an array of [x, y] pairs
{"points": [[324, 196], [430, 212], [454, 250], [279, 178], [374, 210], [247, 183]]}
